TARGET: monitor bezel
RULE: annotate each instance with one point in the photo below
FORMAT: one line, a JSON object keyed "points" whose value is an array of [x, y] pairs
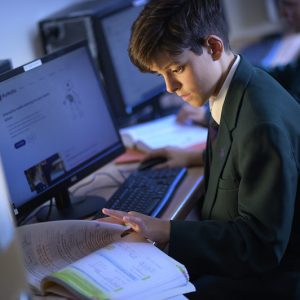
{"points": [[84, 169]]}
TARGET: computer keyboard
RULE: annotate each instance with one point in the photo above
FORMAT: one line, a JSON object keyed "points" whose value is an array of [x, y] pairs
{"points": [[146, 191]]}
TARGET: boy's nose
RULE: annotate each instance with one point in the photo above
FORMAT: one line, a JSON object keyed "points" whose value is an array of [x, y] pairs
{"points": [[172, 85]]}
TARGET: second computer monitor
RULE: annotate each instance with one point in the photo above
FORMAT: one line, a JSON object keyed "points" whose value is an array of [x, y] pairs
{"points": [[129, 89]]}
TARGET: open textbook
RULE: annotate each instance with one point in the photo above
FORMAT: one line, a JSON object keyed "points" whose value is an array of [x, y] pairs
{"points": [[163, 132], [88, 259]]}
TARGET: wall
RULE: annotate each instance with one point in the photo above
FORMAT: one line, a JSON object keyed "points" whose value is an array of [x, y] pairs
{"points": [[19, 30], [250, 20]]}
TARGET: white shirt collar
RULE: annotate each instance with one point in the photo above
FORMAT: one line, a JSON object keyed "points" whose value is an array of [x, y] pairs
{"points": [[216, 103]]}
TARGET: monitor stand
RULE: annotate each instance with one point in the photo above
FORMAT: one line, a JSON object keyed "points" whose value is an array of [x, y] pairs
{"points": [[66, 208]]}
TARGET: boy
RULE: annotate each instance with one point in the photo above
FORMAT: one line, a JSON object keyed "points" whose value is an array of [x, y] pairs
{"points": [[247, 240]]}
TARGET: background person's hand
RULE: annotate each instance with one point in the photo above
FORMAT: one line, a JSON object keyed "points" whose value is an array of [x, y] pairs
{"points": [[154, 229], [189, 113]]}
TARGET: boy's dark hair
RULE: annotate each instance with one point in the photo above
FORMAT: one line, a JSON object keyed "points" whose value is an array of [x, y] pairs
{"points": [[171, 26]]}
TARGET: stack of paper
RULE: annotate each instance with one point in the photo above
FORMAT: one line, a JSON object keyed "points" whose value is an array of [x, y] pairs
{"points": [[161, 133]]}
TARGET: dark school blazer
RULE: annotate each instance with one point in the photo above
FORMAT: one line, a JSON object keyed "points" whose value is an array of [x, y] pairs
{"points": [[250, 213]]}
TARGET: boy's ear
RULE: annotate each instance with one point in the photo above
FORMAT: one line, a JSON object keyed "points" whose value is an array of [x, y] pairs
{"points": [[215, 46]]}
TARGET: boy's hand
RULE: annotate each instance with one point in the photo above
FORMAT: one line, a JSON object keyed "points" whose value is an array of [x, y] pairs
{"points": [[154, 229]]}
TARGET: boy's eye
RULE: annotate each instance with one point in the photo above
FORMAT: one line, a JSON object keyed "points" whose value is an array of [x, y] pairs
{"points": [[178, 70]]}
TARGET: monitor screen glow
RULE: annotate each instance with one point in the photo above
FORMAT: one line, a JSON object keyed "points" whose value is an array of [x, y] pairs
{"points": [[55, 126]]}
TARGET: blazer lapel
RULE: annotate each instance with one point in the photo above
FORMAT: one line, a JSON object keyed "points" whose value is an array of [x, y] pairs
{"points": [[223, 142]]}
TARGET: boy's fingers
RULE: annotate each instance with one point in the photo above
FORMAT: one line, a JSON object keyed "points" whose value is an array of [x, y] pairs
{"points": [[111, 220], [114, 213]]}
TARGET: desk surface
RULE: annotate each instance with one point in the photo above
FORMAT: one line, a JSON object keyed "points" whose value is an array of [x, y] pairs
{"points": [[104, 182]]}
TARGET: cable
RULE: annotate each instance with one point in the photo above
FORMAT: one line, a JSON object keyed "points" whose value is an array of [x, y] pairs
{"points": [[24, 220], [121, 172], [83, 185], [93, 179], [110, 176], [49, 210], [100, 188]]}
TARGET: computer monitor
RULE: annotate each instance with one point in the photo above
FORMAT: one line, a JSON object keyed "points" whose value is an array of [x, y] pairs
{"points": [[132, 93], [56, 128]]}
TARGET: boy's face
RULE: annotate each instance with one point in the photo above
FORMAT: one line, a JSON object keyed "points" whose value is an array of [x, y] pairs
{"points": [[192, 77]]}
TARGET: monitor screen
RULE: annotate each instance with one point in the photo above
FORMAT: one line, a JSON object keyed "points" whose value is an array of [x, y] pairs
{"points": [[129, 89], [55, 128]]}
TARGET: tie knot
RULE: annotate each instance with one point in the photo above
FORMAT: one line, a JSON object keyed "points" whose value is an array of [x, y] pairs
{"points": [[213, 123]]}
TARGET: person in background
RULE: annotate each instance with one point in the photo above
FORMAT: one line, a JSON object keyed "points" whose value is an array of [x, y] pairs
{"points": [[247, 241], [287, 75], [290, 12]]}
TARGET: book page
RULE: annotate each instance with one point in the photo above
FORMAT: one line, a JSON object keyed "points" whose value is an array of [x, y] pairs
{"points": [[124, 270], [167, 293], [163, 132], [50, 246]]}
